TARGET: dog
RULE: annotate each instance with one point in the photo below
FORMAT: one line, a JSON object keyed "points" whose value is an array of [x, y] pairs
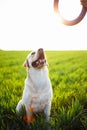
{"points": [[37, 93]]}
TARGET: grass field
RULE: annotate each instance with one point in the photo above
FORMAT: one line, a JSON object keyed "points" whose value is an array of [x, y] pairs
{"points": [[68, 73]]}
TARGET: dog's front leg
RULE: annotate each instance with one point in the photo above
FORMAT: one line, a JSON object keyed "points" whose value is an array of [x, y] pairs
{"points": [[28, 118], [29, 114], [47, 114]]}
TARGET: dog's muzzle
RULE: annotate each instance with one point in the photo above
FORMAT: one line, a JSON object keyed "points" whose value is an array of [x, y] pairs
{"points": [[41, 60]]}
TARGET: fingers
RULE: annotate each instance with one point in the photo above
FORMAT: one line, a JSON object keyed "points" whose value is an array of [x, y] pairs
{"points": [[84, 3]]}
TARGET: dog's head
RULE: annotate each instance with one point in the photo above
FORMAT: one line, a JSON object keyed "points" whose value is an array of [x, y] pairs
{"points": [[36, 59]]}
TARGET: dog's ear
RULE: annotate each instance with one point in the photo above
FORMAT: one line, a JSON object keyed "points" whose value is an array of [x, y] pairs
{"points": [[26, 64]]}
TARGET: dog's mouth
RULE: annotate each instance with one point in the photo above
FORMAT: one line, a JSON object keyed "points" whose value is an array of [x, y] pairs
{"points": [[41, 60]]}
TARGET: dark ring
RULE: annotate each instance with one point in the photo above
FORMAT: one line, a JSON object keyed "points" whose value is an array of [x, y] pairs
{"points": [[70, 22]]}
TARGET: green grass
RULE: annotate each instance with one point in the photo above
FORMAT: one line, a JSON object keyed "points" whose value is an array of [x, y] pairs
{"points": [[68, 74]]}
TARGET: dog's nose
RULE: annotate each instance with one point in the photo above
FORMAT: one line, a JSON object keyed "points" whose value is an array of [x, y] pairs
{"points": [[40, 49]]}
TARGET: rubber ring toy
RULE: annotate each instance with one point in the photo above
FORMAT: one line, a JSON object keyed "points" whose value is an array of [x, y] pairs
{"points": [[69, 22]]}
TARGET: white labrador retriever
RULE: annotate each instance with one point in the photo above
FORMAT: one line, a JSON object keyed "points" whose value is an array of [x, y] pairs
{"points": [[37, 94]]}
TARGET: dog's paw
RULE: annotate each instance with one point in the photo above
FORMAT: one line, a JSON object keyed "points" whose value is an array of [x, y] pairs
{"points": [[28, 119]]}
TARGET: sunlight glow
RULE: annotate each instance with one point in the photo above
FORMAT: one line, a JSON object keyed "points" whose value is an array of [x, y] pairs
{"points": [[29, 25], [70, 9]]}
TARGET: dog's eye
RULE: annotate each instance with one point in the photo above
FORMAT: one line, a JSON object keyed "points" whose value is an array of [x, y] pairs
{"points": [[32, 53]]}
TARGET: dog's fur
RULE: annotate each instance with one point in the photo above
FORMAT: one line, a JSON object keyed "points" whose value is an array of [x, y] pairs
{"points": [[37, 94]]}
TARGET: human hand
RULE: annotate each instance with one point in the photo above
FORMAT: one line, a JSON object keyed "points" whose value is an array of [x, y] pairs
{"points": [[84, 3]]}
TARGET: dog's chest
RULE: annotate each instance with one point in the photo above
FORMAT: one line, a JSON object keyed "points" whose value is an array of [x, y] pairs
{"points": [[38, 102], [39, 90], [39, 79]]}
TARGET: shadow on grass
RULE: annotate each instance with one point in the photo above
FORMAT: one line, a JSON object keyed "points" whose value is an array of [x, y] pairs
{"points": [[75, 118]]}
